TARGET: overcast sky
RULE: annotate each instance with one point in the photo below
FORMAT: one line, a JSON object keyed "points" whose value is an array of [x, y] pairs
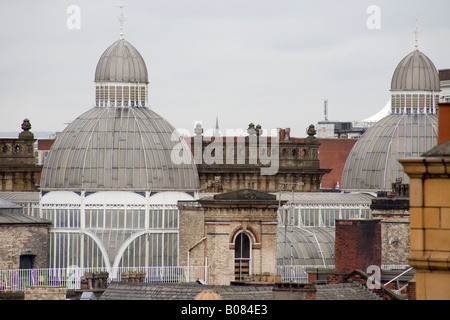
{"points": [[263, 61]]}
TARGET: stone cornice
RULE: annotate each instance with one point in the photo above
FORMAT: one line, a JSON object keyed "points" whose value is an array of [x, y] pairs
{"points": [[430, 167]]}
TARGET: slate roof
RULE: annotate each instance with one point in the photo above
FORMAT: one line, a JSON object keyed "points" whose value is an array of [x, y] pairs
{"points": [[11, 213], [345, 291], [183, 291], [20, 196], [188, 291], [441, 150]]}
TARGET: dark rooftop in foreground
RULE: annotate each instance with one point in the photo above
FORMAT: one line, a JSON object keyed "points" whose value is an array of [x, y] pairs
{"points": [[188, 291], [441, 150], [182, 291]]}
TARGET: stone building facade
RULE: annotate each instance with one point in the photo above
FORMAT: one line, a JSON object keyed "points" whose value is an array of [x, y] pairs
{"points": [[393, 211], [18, 169], [235, 232], [266, 164], [24, 240], [45, 293]]}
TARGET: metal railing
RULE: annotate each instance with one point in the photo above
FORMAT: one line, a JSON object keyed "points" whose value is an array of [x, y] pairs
{"points": [[399, 289], [297, 273], [16, 280]]}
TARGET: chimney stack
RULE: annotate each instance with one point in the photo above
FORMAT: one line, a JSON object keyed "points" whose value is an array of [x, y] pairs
{"points": [[357, 244], [443, 122]]}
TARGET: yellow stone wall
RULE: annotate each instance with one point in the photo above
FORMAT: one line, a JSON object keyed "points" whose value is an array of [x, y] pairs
{"points": [[430, 225]]}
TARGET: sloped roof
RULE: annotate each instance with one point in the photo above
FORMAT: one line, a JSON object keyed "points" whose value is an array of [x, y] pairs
{"points": [[20, 196], [441, 150], [19, 218], [11, 213], [182, 291], [305, 246], [312, 198], [345, 291], [335, 198]]}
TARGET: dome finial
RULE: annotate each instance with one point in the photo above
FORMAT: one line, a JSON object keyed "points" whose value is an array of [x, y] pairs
{"points": [[416, 36], [122, 19]]}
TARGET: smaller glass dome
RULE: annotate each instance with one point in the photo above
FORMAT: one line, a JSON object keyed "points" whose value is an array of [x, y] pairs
{"points": [[415, 72], [121, 62]]}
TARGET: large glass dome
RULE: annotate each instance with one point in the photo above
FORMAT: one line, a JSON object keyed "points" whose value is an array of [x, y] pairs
{"points": [[372, 164], [118, 148]]}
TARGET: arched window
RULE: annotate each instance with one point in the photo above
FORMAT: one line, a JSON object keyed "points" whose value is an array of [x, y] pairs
{"points": [[242, 256]]}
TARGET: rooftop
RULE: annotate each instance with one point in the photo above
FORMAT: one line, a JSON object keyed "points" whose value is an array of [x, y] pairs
{"points": [[11, 213], [441, 150], [185, 291]]}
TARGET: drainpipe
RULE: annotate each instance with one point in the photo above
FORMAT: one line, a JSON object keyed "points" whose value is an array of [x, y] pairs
{"points": [[189, 252]]}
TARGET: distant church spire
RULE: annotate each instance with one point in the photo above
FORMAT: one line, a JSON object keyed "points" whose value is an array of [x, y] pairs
{"points": [[216, 131]]}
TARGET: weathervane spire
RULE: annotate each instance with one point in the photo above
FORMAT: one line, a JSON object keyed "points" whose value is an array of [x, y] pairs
{"points": [[416, 36], [121, 18]]}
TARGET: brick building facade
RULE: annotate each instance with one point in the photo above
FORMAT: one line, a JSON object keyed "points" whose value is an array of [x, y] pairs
{"points": [[357, 245]]}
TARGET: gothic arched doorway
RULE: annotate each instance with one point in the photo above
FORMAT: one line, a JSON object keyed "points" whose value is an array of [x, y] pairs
{"points": [[242, 256]]}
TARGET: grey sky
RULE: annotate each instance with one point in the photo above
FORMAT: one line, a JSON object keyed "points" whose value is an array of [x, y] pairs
{"points": [[263, 61]]}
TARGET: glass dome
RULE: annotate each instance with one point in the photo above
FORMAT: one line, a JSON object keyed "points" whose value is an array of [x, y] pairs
{"points": [[415, 72], [117, 148], [373, 162], [121, 62]]}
